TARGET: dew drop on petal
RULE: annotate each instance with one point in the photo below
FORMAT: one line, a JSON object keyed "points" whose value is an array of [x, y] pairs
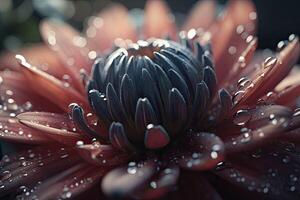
{"points": [[242, 61], [132, 168], [296, 112], [238, 96], [281, 45], [241, 117], [269, 62]]}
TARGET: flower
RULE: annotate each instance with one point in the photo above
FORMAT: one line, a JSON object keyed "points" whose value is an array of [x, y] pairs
{"points": [[201, 116]]}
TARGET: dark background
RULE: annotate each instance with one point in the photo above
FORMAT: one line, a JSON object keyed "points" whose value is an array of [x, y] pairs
{"points": [[19, 18]]}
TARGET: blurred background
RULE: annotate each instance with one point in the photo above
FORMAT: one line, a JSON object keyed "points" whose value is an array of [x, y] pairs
{"points": [[19, 19]]}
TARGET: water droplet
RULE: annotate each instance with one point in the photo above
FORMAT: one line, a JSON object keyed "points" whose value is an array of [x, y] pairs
{"points": [[243, 83], [286, 159], [281, 45], [246, 137], [240, 29], [214, 155], [292, 37], [242, 61], [232, 50], [269, 62], [238, 96], [191, 33], [241, 117], [296, 112], [252, 15], [132, 168]]}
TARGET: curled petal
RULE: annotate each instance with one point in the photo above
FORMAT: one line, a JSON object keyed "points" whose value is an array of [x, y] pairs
{"points": [[58, 127], [158, 20], [123, 181]]}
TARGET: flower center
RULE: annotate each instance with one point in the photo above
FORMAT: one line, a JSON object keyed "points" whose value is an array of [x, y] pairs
{"points": [[146, 95]]}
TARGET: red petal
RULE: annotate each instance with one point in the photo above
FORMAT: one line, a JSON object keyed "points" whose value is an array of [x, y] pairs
{"points": [[268, 173], [199, 151], [67, 184], [158, 20], [258, 127], [102, 155], [56, 126], [160, 185], [202, 15], [33, 165], [194, 186], [123, 181]]}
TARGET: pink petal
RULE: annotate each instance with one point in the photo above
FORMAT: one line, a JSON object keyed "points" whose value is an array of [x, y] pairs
{"points": [[231, 34], [71, 48], [58, 127], [50, 87], [235, 72], [272, 72], [13, 131], [39, 55], [112, 23], [158, 20], [202, 15], [19, 97], [288, 90]]}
